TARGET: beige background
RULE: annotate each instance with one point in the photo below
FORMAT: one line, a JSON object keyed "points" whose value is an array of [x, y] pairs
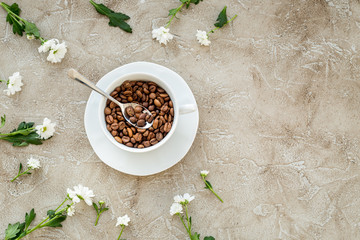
{"points": [[278, 95]]}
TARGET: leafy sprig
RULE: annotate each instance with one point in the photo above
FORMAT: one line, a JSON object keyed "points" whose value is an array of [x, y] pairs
{"points": [[19, 24], [21, 173], [99, 210], [23, 135], [222, 20], [174, 11], [117, 19], [19, 230], [208, 185]]}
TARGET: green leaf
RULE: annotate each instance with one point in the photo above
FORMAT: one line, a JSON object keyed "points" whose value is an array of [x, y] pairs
{"points": [[18, 28], [96, 207], [173, 11], [29, 218], [56, 221], [51, 214], [12, 230], [117, 19], [3, 120], [209, 238], [31, 29], [20, 168], [208, 184], [20, 140], [222, 18], [195, 236], [104, 209]]}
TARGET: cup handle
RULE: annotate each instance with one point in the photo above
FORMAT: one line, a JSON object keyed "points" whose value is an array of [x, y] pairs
{"points": [[187, 108]]}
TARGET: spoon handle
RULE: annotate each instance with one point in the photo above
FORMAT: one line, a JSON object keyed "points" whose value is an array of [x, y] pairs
{"points": [[72, 73]]}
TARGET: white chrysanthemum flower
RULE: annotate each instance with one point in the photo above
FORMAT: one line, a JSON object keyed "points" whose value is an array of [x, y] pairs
{"points": [[46, 130], [57, 53], [47, 45], [204, 173], [30, 36], [179, 199], [33, 163], [175, 208], [188, 198], [81, 193], [71, 211], [162, 35], [203, 38], [14, 84], [123, 221]]}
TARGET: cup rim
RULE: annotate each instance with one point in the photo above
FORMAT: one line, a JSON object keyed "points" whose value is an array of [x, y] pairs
{"points": [[117, 82]]}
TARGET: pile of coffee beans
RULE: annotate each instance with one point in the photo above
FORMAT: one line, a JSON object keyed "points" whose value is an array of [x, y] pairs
{"points": [[138, 115], [150, 96]]}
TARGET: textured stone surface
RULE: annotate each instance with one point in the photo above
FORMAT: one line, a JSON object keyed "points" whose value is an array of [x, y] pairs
{"points": [[278, 95]]}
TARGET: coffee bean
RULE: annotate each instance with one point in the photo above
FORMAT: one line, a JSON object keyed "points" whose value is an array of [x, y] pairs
{"points": [[114, 126], [125, 139], [138, 109], [172, 111], [108, 127], [153, 141], [167, 127], [152, 95], [130, 111], [159, 136], [152, 88], [122, 125], [165, 108], [141, 146], [112, 105], [114, 133], [139, 93], [130, 133], [146, 144], [107, 111], [109, 119], [151, 108], [141, 130], [138, 137], [118, 139], [155, 124], [129, 144], [157, 103], [133, 119], [141, 123], [143, 116], [171, 104], [127, 93]]}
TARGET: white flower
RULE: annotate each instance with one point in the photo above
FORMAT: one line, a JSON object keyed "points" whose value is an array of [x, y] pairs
{"points": [[124, 220], [57, 53], [175, 209], [203, 38], [33, 163], [30, 36], [71, 211], [183, 199], [46, 130], [47, 45], [14, 84], [81, 193], [204, 173], [162, 35], [188, 197], [179, 199]]}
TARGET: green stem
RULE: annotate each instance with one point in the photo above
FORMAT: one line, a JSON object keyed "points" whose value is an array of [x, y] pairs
{"points": [[3, 80], [20, 174], [61, 204], [187, 219], [122, 229], [173, 16], [211, 189], [22, 132], [182, 220], [223, 25], [97, 219]]}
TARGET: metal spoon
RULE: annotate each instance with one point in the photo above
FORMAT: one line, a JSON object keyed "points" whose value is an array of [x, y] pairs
{"points": [[72, 73]]}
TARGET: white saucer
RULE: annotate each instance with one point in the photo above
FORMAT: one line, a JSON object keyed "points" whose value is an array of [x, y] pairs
{"points": [[143, 164]]}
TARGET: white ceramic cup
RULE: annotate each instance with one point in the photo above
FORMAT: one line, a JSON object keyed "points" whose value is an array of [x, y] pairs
{"points": [[139, 76]]}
